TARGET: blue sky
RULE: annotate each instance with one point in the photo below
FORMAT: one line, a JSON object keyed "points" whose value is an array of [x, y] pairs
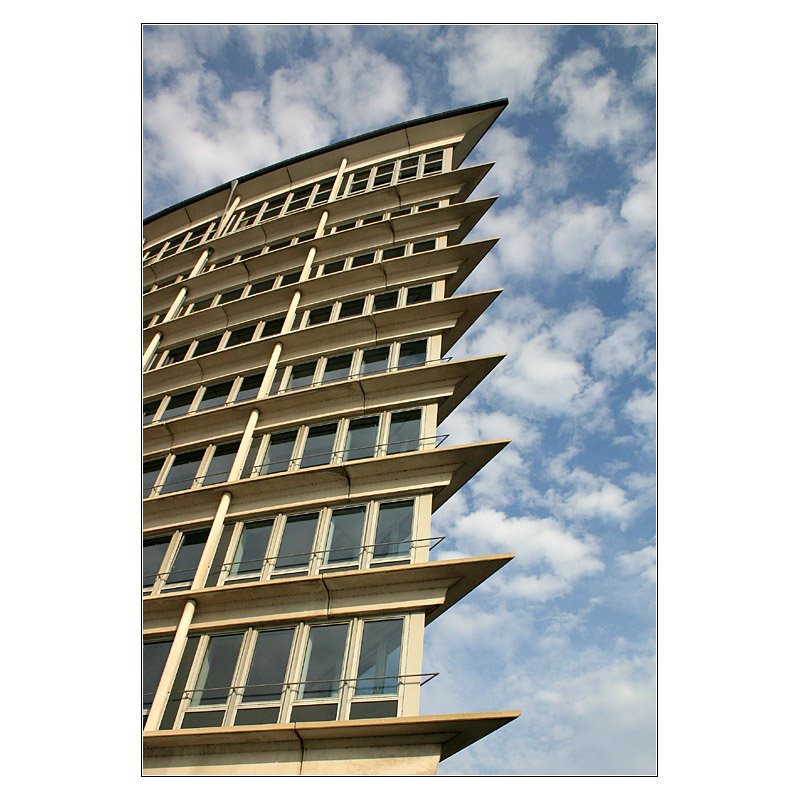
{"points": [[566, 632]]}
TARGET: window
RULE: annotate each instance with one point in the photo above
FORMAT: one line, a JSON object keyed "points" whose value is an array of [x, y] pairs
{"points": [[175, 354], [262, 286], [352, 308], [375, 360], [424, 246], [250, 386], [279, 453], [169, 563], [393, 252], [265, 678], [345, 534], [318, 316], [207, 345], [302, 375], [230, 296], [182, 473], [322, 666], [178, 404], [364, 258], [292, 277], [337, 368], [333, 266], [412, 354], [271, 327], [214, 681], [362, 435], [297, 543], [149, 411], [419, 294], [215, 395], [319, 445], [153, 552], [150, 470], [394, 530], [154, 658], [385, 301], [248, 558], [404, 431], [379, 661], [187, 559], [200, 305], [221, 462], [241, 335], [408, 168]]}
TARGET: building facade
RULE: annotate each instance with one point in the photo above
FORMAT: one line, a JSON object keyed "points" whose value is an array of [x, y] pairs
{"points": [[296, 329]]}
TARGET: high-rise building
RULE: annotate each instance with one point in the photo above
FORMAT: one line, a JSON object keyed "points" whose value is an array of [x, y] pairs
{"points": [[297, 325]]}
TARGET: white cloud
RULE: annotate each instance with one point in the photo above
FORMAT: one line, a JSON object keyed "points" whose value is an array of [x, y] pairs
{"points": [[641, 409], [598, 110], [639, 562], [625, 348], [513, 169], [558, 557], [490, 61]]}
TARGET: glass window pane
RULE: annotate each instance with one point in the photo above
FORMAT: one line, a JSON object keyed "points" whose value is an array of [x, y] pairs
{"points": [[317, 316], [216, 674], [250, 386], [252, 546], [393, 252], [419, 294], [279, 453], [375, 360], [183, 470], [393, 535], [379, 663], [241, 335], [153, 552], [188, 557], [333, 266], [424, 247], [337, 368], [262, 286], [302, 375], [361, 437], [322, 670], [150, 470], [179, 404], [268, 667], [271, 327], [292, 277], [228, 297], [208, 345], [345, 534], [412, 354], [352, 308], [385, 301], [176, 354], [149, 411], [297, 541], [404, 431], [154, 657], [215, 395], [319, 445], [363, 259], [221, 462]]}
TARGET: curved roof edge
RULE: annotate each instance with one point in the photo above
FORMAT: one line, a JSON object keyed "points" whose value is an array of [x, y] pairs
{"points": [[501, 103]]}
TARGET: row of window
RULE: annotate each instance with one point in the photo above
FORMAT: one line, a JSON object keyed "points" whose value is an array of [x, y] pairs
{"points": [[326, 369], [318, 315], [293, 276], [299, 673], [358, 222], [347, 439], [362, 536], [313, 194]]}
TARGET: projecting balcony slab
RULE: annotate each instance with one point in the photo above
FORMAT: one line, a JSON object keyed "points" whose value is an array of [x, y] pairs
{"points": [[457, 185], [444, 383], [450, 317], [452, 264], [389, 746], [442, 471], [431, 587]]}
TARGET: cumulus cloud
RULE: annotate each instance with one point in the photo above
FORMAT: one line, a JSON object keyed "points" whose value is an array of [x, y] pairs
{"points": [[639, 562], [626, 347], [489, 61], [598, 109], [550, 559]]}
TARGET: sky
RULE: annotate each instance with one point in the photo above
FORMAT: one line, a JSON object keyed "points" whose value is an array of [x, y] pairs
{"points": [[565, 633]]}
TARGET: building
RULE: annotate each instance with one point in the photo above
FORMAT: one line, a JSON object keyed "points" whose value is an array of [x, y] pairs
{"points": [[297, 324]]}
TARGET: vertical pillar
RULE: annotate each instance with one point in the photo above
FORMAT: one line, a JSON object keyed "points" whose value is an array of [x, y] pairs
{"points": [[201, 262], [150, 349], [304, 275], [270, 371], [176, 304], [226, 217], [212, 542], [337, 184], [170, 668], [289, 321], [321, 227], [244, 446]]}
